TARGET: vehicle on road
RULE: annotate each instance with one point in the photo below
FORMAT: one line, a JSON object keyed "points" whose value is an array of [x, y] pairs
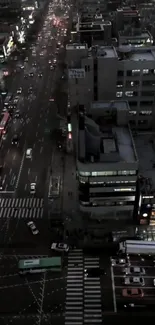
{"points": [[4, 122], [33, 188], [8, 99], [39, 265], [134, 269], [19, 90], [15, 139], [133, 292], [54, 187], [60, 247], [29, 153], [134, 281], [33, 227], [94, 272]]}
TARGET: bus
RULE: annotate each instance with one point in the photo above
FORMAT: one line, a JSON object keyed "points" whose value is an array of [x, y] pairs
{"points": [[39, 265], [8, 99], [4, 122], [54, 187]]}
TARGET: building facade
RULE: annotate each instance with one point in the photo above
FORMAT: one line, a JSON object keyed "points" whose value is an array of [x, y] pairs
{"points": [[107, 163], [106, 73]]}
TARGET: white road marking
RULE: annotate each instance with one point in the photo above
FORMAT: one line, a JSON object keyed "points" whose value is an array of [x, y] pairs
{"points": [[41, 149], [28, 171], [25, 188], [10, 171], [20, 169], [113, 289]]}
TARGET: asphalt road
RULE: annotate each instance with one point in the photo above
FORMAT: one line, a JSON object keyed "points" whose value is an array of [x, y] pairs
{"points": [[37, 117]]}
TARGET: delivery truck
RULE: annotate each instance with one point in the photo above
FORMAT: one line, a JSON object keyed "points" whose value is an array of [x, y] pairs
{"points": [[137, 247]]}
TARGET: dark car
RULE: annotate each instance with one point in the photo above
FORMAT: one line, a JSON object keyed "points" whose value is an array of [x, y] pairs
{"points": [[40, 75], [30, 90], [15, 139], [94, 272]]}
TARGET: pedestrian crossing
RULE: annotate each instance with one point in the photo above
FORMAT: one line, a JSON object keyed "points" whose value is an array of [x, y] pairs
{"points": [[83, 293], [92, 294], [74, 290], [21, 208]]}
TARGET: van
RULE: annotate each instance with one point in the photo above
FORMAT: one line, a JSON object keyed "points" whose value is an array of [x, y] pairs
{"points": [[29, 153]]}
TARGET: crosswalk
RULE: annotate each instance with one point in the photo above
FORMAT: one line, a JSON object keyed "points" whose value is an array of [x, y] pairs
{"points": [[21, 208], [92, 294], [74, 290], [83, 294]]}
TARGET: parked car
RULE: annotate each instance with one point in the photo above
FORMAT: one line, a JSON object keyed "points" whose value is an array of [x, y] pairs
{"points": [[60, 247], [133, 292], [33, 227], [134, 281], [132, 269]]}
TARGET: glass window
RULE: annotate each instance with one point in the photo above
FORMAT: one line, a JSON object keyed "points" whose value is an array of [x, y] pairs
{"points": [[84, 173], [136, 72], [129, 93], [119, 94], [132, 112], [145, 71]]}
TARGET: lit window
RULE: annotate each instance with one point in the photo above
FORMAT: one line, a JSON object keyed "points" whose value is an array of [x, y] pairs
{"points": [[146, 113], [132, 112], [129, 93], [84, 173], [145, 71], [119, 94], [135, 72]]}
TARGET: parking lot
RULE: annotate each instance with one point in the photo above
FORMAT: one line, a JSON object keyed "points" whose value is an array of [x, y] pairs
{"points": [[140, 274]]}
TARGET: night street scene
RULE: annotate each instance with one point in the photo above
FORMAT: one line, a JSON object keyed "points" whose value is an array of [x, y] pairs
{"points": [[77, 162]]}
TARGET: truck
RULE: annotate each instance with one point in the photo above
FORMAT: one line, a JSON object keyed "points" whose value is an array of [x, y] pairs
{"points": [[141, 247]]}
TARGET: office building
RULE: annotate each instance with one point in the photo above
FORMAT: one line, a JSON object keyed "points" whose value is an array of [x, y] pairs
{"points": [[106, 73], [107, 162]]}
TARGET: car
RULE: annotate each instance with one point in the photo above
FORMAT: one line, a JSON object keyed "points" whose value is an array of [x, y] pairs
{"points": [[132, 269], [49, 61], [41, 53], [34, 64], [30, 90], [94, 272], [15, 139], [51, 100], [134, 281], [25, 76], [40, 74], [32, 188], [17, 114], [31, 74], [60, 247], [51, 67], [26, 59], [44, 47], [133, 292], [16, 99], [33, 227], [120, 261], [19, 90]]}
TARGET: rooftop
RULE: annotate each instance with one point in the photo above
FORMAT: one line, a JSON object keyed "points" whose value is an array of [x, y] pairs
{"points": [[147, 56], [103, 51], [146, 154], [76, 46], [101, 139], [134, 34], [137, 54]]}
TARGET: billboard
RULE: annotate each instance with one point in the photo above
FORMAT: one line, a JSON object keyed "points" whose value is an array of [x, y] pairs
{"points": [[76, 73]]}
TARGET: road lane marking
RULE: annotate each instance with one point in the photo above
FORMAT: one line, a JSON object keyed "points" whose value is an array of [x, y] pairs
{"points": [[41, 149], [28, 171], [20, 169], [25, 188], [10, 171], [113, 289]]}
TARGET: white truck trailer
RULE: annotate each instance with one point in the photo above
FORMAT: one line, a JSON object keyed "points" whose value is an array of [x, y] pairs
{"points": [[137, 247]]}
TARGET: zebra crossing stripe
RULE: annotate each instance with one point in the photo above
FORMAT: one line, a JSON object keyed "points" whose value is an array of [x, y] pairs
{"points": [[21, 208]]}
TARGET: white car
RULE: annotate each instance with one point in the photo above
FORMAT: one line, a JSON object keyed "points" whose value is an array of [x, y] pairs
{"points": [[134, 281], [154, 282], [16, 99], [119, 262], [33, 227], [32, 188], [60, 247], [134, 269]]}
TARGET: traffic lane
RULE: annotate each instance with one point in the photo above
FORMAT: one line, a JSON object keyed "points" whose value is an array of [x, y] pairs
{"points": [[12, 163], [21, 241]]}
